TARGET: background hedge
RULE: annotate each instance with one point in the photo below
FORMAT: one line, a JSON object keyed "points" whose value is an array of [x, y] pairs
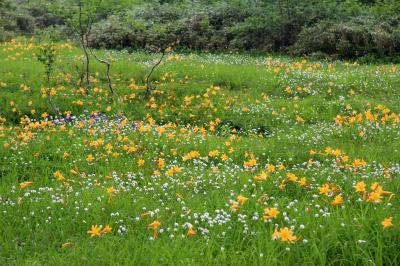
{"points": [[338, 28]]}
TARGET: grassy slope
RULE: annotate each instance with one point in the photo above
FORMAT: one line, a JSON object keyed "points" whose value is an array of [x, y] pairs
{"points": [[263, 99]]}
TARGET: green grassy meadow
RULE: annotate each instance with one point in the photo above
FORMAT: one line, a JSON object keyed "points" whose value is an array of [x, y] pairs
{"points": [[233, 159]]}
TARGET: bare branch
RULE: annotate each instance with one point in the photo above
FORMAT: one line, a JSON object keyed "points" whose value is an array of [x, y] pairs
{"points": [[106, 63], [148, 84]]}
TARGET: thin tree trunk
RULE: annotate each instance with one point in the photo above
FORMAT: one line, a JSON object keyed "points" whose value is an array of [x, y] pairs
{"points": [[87, 64], [148, 85], [84, 47], [108, 66]]}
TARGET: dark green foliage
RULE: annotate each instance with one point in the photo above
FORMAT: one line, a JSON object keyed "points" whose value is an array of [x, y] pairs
{"points": [[301, 27], [357, 37], [43, 17], [14, 20], [345, 29], [112, 33]]}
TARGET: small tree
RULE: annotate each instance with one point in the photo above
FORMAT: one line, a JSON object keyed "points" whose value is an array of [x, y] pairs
{"points": [[163, 47], [147, 81], [47, 56], [108, 66], [79, 15]]}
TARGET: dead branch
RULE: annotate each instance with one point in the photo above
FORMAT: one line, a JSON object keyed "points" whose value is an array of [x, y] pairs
{"points": [[108, 66], [148, 84]]}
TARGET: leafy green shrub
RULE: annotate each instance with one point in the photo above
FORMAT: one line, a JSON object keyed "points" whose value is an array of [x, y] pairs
{"points": [[345, 29], [354, 38], [44, 17], [15, 20], [111, 33], [221, 25]]}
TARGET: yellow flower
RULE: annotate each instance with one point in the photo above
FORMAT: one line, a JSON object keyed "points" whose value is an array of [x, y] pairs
{"points": [[154, 225], [94, 231], [250, 163], [324, 189], [292, 177], [375, 186], [130, 149], [338, 200], [140, 162], [270, 168], [59, 176], [300, 120], [303, 181], [213, 153], [359, 163], [360, 186], [224, 157], [276, 234], [270, 213], [173, 170], [191, 232], [110, 192], [106, 230], [191, 155], [242, 199], [285, 234], [235, 207], [261, 177], [374, 196], [161, 130], [89, 158], [161, 163], [387, 222], [25, 184]]}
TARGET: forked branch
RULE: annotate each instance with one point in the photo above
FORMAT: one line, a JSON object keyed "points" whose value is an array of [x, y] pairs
{"points": [[108, 66], [148, 83]]}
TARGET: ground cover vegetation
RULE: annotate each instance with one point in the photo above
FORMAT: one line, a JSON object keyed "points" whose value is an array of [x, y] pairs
{"points": [[231, 159]]}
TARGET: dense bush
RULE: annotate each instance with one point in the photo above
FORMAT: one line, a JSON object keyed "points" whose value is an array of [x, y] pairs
{"points": [[43, 17], [14, 20], [357, 37], [200, 28], [112, 33], [346, 29]]}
